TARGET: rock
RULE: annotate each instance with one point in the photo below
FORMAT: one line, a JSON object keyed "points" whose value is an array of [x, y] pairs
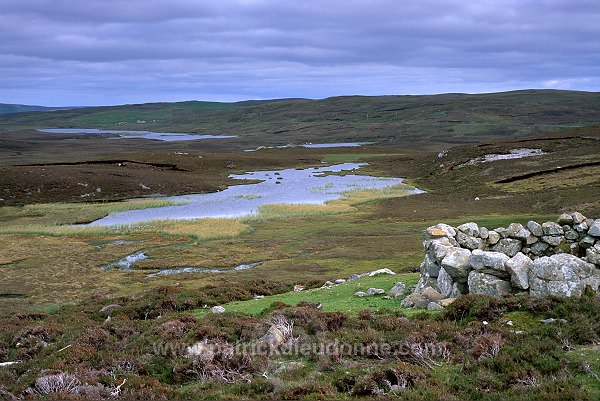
{"points": [[581, 227], [459, 289], [508, 246], [532, 239], [495, 260], [109, 309], [415, 300], [447, 302], [340, 281], [565, 219], [380, 271], [562, 275], [539, 248], [535, 228], [445, 283], [571, 235], [553, 240], [483, 233], [397, 290], [328, 284], [578, 218], [439, 230], [298, 288], [518, 267], [502, 231], [217, 309], [551, 228], [434, 306], [594, 229], [375, 291], [438, 249], [470, 229], [593, 255], [431, 294], [456, 264], [587, 242], [486, 284], [469, 242], [361, 294], [493, 237], [517, 231], [424, 282], [274, 337], [552, 320], [429, 266]]}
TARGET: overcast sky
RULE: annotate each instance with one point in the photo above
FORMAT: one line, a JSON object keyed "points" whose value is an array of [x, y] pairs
{"points": [[100, 52]]}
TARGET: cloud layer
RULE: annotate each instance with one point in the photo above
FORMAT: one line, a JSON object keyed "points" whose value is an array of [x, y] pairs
{"points": [[89, 52]]}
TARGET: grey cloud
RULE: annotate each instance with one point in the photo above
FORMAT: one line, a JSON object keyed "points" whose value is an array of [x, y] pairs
{"points": [[268, 48]]}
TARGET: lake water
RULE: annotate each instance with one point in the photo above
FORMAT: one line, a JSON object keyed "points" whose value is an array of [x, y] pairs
{"points": [[128, 134], [313, 186]]}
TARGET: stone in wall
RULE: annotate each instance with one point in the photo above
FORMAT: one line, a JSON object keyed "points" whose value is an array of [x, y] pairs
{"points": [[559, 258]]}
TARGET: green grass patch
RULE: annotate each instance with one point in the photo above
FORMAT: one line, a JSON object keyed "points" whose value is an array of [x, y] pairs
{"points": [[338, 298]]}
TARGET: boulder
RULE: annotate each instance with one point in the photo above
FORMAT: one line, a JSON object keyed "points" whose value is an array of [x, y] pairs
{"points": [[578, 218], [375, 291], [535, 228], [439, 230], [571, 235], [397, 290], [518, 267], [447, 302], [486, 284], [415, 300], [340, 281], [483, 233], [539, 248], [438, 249], [469, 242], [551, 228], [593, 255], [489, 262], [517, 231], [456, 264], [298, 288], [459, 289], [430, 266], [594, 229], [361, 294], [380, 271], [273, 337], [565, 219], [587, 242], [431, 294], [434, 306], [217, 309], [581, 227], [562, 275], [493, 237], [508, 246], [445, 283], [553, 240], [470, 229]]}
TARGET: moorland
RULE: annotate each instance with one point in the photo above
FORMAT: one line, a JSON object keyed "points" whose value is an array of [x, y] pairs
{"points": [[54, 278]]}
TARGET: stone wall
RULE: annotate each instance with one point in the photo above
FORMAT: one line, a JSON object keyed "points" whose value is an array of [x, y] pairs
{"points": [[559, 258]]}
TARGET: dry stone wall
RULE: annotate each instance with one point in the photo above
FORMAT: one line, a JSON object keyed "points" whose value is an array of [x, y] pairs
{"points": [[560, 258]]}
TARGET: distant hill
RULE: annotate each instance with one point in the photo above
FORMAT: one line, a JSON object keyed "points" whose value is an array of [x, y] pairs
{"points": [[387, 120], [23, 108]]}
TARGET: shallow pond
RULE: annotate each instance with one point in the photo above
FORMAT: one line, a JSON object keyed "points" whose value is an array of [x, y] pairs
{"points": [[314, 186], [128, 134]]}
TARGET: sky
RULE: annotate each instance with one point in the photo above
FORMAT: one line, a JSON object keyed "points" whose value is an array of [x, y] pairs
{"points": [[105, 52]]}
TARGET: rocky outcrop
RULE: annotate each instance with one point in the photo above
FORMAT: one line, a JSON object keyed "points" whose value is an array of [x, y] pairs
{"points": [[559, 258]]}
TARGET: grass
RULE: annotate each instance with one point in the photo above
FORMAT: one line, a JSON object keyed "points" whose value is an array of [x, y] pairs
{"points": [[338, 298]]}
